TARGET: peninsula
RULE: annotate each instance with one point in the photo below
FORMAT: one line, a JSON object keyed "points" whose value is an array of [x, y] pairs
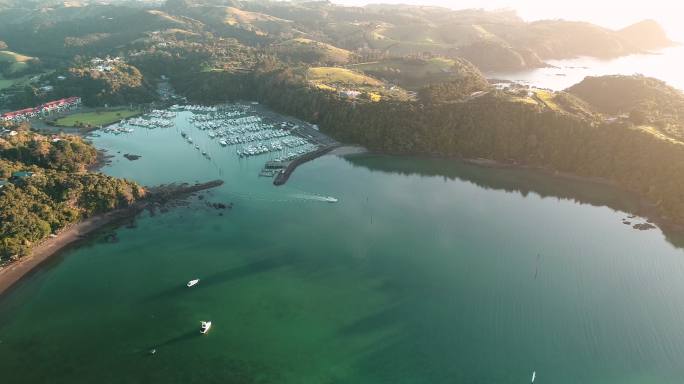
{"points": [[49, 200]]}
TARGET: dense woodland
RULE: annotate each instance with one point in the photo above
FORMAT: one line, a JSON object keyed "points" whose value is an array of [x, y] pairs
{"points": [[58, 193], [319, 31], [647, 101], [123, 84]]}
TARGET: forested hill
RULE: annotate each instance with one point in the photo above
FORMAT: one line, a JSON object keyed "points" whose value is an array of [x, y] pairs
{"points": [[489, 39], [534, 127], [647, 101], [45, 187], [318, 30]]}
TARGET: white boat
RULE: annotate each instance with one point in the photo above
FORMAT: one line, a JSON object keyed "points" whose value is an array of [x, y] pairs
{"points": [[193, 282], [331, 199], [534, 376], [206, 326]]}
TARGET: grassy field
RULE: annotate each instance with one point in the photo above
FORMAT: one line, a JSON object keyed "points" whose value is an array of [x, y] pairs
{"points": [[548, 98], [658, 134], [302, 46], [523, 100], [333, 78], [342, 76], [419, 68], [95, 118], [18, 61], [414, 38], [409, 72], [407, 39], [409, 32], [6, 83]]}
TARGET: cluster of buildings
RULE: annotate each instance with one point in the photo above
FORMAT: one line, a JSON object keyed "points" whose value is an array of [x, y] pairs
{"points": [[104, 65], [350, 94], [60, 105]]}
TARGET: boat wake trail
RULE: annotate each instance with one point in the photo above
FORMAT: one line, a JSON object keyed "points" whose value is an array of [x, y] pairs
{"points": [[290, 198], [312, 197]]}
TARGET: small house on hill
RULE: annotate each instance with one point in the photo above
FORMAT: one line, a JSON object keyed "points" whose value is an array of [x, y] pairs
{"points": [[22, 175]]}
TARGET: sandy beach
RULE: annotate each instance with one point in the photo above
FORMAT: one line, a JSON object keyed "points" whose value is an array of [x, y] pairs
{"points": [[12, 273]]}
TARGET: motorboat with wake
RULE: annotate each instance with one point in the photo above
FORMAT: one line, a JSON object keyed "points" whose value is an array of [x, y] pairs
{"points": [[206, 326]]}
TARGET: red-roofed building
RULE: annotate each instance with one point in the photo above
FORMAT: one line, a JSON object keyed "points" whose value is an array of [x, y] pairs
{"points": [[42, 110]]}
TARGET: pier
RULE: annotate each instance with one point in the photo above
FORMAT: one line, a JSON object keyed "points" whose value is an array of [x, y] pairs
{"points": [[284, 174], [283, 169]]}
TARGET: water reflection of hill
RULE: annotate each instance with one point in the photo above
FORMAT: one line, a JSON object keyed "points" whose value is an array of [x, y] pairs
{"points": [[514, 180]]}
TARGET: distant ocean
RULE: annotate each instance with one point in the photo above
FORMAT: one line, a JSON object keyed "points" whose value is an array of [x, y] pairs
{"points": [[665, 65]]}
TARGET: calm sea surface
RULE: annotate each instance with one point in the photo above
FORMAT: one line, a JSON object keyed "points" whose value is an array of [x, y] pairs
{"points": [[426, 271], [665, 65]]}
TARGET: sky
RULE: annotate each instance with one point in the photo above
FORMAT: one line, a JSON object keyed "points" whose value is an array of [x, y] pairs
{"points": [[611, 13]]}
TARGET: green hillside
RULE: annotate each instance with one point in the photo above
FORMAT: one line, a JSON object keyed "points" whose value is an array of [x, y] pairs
{"points": [[16, 62], [416, 73], [311, 51]]}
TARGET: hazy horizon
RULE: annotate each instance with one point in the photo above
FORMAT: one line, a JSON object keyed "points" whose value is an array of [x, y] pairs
{"points": [[667, 13]]}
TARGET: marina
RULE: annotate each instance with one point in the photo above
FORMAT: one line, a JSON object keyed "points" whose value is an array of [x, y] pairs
{"points": [[248, 130], [504, 205]]}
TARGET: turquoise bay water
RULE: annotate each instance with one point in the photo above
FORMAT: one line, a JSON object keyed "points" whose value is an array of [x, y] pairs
{"points": [[665, 65], [426, 271]]}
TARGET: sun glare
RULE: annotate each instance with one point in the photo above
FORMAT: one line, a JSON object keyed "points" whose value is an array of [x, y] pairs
{"points": [[610, 14]]}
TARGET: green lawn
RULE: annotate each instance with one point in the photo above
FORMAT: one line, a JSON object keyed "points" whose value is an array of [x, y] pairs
{"points": [[333, 75], [303, 46], [6, 83], [96, 118]]}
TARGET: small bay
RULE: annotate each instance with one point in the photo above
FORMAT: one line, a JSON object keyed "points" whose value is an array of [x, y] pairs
{"points": [[664, 65], [425, 271]]}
